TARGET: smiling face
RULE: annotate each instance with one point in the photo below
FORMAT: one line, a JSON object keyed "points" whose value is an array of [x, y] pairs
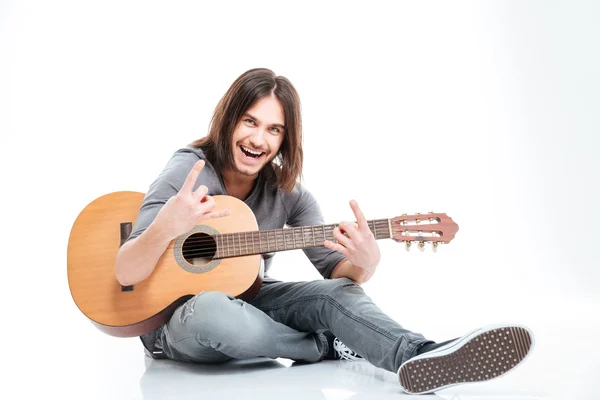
{"points": [[257, 136]]}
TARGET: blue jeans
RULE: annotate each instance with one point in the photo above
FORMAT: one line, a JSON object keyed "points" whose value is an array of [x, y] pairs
{"points": [[286, 319]]}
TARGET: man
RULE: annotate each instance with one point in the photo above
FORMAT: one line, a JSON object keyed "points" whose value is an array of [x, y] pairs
{"points": [[254, 152]]}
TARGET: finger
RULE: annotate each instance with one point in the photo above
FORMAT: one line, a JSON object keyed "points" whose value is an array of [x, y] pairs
{"points": [[200, 193], [335, 246], [351, 229], [188, 185], [217, 214], [360, 218], [207, 203], [339, 236]]}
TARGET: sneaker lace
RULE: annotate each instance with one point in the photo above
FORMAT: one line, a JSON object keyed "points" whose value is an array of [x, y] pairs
{"points": [[344, 352]]}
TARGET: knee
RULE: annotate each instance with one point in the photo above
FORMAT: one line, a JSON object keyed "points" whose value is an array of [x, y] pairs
{"points": [[342, 288], [215, 316], [210, 302], [201, 310]]}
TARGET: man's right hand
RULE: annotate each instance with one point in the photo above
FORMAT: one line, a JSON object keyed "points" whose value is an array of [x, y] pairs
{"points": [[186, 209]]}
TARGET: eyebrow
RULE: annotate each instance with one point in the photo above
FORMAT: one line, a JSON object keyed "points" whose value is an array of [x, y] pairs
{"points": [[256, 119]]}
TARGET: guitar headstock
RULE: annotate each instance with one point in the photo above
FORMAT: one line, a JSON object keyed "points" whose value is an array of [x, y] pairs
{"points": [[431, 228]]}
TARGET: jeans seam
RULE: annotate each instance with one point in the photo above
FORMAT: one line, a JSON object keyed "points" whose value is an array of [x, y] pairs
{"points": [[339, 307]]}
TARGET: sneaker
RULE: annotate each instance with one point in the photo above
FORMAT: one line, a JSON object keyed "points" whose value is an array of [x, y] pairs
{"points": [[343, 352], [481, 355]]}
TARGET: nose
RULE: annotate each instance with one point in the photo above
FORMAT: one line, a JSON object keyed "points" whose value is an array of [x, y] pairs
{"points": [[257, 138]]}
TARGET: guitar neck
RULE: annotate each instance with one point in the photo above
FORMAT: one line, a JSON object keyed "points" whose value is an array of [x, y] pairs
{"points": [[267, 241]]}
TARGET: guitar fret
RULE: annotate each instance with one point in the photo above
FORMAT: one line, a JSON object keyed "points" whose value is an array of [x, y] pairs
{"points": [[274, 248], [217, 244], [222, 247], [294, 237], [303, 238], [268, 246]]}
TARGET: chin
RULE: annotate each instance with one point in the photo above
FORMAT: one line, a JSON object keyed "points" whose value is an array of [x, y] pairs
{"points": [[248, 171]]}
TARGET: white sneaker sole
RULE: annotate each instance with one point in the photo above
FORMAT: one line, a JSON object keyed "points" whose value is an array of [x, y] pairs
{"points": [[481, 355]]}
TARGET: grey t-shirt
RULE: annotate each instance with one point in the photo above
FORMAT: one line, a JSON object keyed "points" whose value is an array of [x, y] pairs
{"points": [[272, 207]]}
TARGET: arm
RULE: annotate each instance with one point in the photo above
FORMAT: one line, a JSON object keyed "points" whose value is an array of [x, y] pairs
{"points": [[137, 258], [170, 208], [345, 268], [303, 210]]}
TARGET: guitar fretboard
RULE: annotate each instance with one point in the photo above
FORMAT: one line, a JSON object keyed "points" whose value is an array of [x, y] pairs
{"points": [[267, 241]]}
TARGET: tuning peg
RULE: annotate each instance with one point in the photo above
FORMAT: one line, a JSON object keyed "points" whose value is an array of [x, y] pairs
{"points": [[435, 246], [422, 246], [408, 243]]}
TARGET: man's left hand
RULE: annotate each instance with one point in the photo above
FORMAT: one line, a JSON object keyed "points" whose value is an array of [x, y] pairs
{"points": [[356, 242]]}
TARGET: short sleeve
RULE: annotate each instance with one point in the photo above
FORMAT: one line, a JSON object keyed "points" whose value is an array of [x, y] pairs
{"points": [[306, 212]]}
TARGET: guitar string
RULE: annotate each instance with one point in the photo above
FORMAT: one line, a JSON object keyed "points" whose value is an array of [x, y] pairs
{"points": [[233, 247], [285, 231], [280, 241], [278, 233]]}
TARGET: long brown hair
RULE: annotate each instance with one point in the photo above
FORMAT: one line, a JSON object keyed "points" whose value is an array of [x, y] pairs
{"points": [[243, 93]]}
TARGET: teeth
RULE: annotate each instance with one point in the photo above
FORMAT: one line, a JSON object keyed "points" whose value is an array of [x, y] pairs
{"points": [[251, 152]]}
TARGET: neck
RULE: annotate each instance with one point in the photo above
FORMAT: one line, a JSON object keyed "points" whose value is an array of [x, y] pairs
{"points": [[273, 240], [237, 184]]}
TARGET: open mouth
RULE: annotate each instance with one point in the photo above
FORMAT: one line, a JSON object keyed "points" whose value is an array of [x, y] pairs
{"points": [[251, 153]]}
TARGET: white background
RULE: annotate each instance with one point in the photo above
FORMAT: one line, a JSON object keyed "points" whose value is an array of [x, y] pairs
{"points": [[485, 111]]}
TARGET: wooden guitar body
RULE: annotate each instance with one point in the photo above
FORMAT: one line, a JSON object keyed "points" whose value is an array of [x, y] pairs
{"points": [[105, 224]]}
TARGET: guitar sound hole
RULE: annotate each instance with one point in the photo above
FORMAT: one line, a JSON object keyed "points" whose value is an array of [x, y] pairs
{"points": [[199, 249]]}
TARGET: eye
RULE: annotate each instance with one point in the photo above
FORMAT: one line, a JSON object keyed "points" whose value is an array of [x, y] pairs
{"points": [[249, 121], [275, 129]]}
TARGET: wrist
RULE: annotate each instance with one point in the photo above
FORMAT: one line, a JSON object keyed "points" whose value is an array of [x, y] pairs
{"points": [[158, 233], [346, 269]]}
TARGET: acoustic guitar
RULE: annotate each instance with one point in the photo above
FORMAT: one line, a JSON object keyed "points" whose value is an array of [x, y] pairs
{"points": [[222, 254]]}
